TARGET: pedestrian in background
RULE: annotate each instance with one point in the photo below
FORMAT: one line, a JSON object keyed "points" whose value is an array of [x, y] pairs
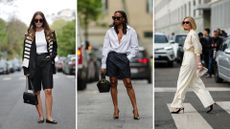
{"points": [[203, 44], [209, 56], [216, 43], [40, 49], [188, 75], [120, 46]]}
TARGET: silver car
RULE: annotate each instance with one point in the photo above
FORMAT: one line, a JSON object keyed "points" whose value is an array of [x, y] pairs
{"points": [[163, 50], [222, 65]]}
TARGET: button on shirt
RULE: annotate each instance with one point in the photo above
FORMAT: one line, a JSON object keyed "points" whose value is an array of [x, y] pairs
{"points": [[127, 45], [41, 44]]}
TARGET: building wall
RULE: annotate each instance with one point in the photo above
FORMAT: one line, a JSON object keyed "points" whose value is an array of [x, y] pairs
{"points": [[220, 15], [170, 13], [138, 18]]}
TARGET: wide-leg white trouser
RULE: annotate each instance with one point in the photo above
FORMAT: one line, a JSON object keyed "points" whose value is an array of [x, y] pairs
{"points": [[188, 78]]}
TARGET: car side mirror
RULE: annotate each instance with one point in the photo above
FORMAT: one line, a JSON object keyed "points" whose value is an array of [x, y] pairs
{"points": [[227, 51]]}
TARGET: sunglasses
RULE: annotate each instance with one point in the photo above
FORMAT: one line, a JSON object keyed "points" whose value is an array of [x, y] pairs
{"points": [[116, 18], [185, 22], [38, 20]]}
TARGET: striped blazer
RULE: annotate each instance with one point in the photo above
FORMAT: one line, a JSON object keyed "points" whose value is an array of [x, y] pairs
{"points": [[29, 52]]}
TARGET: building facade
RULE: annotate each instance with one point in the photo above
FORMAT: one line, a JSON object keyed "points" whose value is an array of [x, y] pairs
{"points": [[140, 15], [211, 14]]}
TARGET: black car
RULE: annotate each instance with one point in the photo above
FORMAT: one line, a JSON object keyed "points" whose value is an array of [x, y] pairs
{"points": [[141, 66]]}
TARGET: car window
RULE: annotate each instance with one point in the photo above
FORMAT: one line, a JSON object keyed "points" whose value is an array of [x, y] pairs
{"points": [[141, 54], [226, 44], [160, 39], [180, 39]]}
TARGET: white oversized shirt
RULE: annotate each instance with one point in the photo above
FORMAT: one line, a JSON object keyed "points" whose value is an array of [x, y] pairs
{"points": [[128, 44]]}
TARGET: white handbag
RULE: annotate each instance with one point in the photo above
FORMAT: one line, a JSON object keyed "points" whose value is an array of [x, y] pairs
{"points": [[202, 72]]}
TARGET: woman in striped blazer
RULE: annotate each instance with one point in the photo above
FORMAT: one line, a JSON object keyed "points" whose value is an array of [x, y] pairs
{"points": [[40, 49]]}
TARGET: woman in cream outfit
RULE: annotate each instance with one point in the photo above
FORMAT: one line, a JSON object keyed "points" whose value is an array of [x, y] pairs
{"points": [[188, 77]]}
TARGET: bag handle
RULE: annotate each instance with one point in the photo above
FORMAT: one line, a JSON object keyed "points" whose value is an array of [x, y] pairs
{"points": [[102, 76], [28, 81]]}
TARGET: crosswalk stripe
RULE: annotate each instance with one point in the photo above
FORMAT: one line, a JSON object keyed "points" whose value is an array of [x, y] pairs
{"points": [[191, 119], [225, 105], [173, 89], [6, 78]]}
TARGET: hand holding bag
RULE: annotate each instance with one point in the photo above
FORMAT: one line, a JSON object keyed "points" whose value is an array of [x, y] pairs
{"points": [[29, 97], [202, 72], [103, 84]]}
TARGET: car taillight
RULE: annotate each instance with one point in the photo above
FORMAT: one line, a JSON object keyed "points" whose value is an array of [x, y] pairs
{"points": [[79, 55], [143, 60]]}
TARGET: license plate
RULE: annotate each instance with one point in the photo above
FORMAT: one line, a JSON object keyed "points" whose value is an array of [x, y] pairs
{"points": [[133, 70]]}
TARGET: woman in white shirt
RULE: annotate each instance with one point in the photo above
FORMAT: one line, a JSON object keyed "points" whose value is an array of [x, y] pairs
{"points": [[40, 49], [120, 46], [191, 65]]}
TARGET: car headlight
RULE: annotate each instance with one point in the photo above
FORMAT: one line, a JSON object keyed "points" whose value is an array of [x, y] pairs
{"points": [[168, 48]]}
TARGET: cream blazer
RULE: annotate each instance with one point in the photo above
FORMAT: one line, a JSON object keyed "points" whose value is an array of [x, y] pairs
{"points": [[192, 47]]}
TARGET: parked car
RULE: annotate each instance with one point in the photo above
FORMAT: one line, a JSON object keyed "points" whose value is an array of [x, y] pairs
{"points": [[141, 66], [10, 66], [222, 63], [163, 50], [59, 63], [69, 64], [179, 39], [16, 64], [3, 67]]}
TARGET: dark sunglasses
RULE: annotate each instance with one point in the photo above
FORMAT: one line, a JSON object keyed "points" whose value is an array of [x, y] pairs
{"points": [[36, 20], [185, 22], [116, 18]]}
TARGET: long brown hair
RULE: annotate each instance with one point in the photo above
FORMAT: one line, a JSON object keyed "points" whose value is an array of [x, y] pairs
{"points": [[124, 15], [32, 27]]}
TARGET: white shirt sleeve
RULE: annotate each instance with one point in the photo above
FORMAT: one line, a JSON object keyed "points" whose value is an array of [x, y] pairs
{"points": [[134, 47], [105, 50]]}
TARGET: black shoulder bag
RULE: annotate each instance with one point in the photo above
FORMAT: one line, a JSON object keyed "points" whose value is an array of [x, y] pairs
{"points": [[29, 97]]}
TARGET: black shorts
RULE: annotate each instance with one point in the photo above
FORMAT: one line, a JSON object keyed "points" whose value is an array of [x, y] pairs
{"points": [[43, 74], [117, 65]]}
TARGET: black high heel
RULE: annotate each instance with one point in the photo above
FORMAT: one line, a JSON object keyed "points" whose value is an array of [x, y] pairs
{"points": [[137, 117], [210, 108], [116, 116], [178, 110]]}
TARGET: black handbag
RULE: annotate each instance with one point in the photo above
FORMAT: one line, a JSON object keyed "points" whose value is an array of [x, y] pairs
{"points": [[103, 85], [29, 97]]}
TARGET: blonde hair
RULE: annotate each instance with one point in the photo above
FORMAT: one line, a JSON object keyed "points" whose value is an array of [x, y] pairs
{"points": [[192, 22]]}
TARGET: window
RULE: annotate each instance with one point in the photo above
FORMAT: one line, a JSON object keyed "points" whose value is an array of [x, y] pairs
{"points": [[149, 6], [148, 34]]}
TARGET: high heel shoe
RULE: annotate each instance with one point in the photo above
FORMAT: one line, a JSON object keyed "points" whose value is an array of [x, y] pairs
{"points": [[210, 108], [177, 111], [136, 116], [116, 115]]}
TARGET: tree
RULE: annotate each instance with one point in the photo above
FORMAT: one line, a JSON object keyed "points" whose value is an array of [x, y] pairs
{"points": [[66, 39], [3, 37], [88, 10], [16, 31]]}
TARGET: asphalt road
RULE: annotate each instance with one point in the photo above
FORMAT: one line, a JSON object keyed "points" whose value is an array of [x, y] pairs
{"points": [[194, 116], [95, 109], [14, 114]]}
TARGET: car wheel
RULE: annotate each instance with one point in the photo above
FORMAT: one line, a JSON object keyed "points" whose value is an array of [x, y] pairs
{"points": [[149, 80], [170, 63], [217, 77], [81, 84]]}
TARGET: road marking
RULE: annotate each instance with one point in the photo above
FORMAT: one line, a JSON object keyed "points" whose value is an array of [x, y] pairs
{"points": [[6, 78], [225, 105], [170, 89], [190, 119], [22, 78]]}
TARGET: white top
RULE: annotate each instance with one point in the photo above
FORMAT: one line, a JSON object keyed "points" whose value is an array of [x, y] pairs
{"points": [[41, 44], [192, 43], [128, 44]]}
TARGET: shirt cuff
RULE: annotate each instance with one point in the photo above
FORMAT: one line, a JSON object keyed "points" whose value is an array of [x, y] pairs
{"points": [[129, 57], [103, 66]]}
